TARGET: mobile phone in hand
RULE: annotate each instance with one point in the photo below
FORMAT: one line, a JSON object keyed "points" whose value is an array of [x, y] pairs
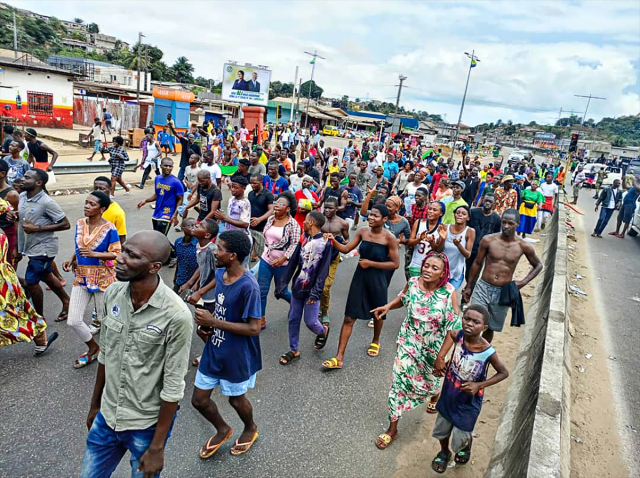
{"points": [[200, 305]]}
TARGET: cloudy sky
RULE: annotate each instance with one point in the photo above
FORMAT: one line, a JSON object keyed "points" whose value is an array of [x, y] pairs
{"points": [[535, 55]]}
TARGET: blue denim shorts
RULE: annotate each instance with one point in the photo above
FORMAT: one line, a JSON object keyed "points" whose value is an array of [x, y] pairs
{"points": [[106, 447], [37, 268], [228, 389]]}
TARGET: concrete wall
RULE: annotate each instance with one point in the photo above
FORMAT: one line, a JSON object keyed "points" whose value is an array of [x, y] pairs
{"points": [[19, 81], [531, 439]]}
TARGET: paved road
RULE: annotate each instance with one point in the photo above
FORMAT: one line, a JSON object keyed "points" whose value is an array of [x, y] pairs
{"points": [[616, 266], [311, 423]]}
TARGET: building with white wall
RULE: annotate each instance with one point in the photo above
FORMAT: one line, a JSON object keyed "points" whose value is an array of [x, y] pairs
{"points": [[36, 94]]}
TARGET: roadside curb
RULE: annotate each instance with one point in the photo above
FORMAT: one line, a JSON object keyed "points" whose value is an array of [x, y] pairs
{"points": [[549, 454], [532, 439]]}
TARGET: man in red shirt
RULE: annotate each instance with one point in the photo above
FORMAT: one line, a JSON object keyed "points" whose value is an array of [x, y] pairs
{"points": [[442, 173]]}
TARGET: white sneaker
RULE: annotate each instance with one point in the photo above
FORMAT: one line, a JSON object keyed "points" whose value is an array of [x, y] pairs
{"points": [[94, 328], [371, 323]]}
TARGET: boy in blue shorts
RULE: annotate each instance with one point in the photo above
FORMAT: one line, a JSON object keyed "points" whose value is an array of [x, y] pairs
{"points": [[231, 356], [463, 386], [165, 141]]}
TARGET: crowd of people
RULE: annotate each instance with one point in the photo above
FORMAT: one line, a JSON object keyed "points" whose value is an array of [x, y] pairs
{"points": [[296, 210]]}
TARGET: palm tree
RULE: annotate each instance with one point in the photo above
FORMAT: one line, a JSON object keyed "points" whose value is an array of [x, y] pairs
{"points": [[183, 70]]}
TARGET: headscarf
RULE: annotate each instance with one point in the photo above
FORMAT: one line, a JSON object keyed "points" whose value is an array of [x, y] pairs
{"points": [[535, 182], [446, 273], [396, 200]]}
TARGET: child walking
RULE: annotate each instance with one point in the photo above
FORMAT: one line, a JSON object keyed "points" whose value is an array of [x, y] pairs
{"points": [[186, 248], [309, 267], [463, 388]]}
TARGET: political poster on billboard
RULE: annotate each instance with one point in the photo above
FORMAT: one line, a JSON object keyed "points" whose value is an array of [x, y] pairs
{"points": [[245, 84]]}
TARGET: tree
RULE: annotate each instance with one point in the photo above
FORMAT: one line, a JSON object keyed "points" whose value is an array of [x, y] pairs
{"points": [[509, 122], [93, 28], [316, 91], [533, 123], [78, 20], [345, 98], [183, 70], [619, 142], [498, 123]]}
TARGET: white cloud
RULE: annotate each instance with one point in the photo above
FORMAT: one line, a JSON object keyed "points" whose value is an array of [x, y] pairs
{"points": [[533, 59]]}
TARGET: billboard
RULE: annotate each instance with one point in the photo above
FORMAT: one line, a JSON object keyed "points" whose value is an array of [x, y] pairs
{"points": [[245, 84]]}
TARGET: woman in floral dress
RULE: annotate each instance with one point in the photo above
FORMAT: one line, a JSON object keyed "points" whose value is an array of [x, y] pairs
{"points": [[19, 321], [432, 310]]}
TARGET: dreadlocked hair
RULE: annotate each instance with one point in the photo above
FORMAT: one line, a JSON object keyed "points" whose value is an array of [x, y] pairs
{"points": [[446, 272]]}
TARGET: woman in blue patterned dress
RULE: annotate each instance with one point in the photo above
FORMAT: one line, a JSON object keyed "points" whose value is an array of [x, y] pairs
{"points": [[97, 246]]}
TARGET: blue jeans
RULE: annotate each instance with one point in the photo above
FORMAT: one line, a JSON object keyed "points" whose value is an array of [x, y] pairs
{"points": [[603, 220], [266, 273], [106, 447]]}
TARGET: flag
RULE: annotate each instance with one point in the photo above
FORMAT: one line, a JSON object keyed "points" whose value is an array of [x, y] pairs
{"points": [[313, 61], [474, 63]]}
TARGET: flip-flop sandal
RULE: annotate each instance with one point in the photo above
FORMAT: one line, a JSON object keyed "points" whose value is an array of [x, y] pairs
{"points": [[384, 440], [463, 456], [286, 359], [331, 364], [373, 350], [613, 234], [84, 360], [208, 449], [431, 407], [40, 349], [439, 463], [246, 446], [62, 316], [321, 340]]}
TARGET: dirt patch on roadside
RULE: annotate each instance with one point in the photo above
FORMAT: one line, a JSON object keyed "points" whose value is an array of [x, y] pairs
{"points": [[595, 445], [414, 460]]}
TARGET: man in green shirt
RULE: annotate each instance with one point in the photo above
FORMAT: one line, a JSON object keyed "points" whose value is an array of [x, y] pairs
{"points": [[144, 356], [457, 187]]}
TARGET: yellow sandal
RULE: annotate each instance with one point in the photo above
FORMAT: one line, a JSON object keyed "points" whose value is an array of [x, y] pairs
{"points": [[373, 350], [331, 364]]}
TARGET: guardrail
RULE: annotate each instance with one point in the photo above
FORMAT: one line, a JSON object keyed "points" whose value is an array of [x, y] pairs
{"points": [[90, 167]]}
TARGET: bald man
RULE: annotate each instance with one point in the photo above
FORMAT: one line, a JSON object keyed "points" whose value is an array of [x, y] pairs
{"points": [[144, 356]]}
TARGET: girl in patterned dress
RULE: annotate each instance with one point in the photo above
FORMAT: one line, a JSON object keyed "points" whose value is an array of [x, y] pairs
{"points": [[432, 310], [97, 246], [19, 321]]}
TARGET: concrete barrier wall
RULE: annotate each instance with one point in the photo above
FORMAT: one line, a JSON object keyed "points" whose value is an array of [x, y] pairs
{"points": [[529, 441]]}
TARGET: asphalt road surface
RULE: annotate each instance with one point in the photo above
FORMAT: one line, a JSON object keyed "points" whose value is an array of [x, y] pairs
{"points": [[616, 267], [311, 422]]}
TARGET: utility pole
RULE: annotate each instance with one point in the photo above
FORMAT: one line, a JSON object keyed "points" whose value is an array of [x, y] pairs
{"points": [[313, 69], [401, 78], [146, 66], [395, 114], [15, 37], [474, 60], [293, 97], [140, 35], [584, 117], [298, 100]]}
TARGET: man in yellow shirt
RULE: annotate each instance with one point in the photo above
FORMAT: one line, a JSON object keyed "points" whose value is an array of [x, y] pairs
{"points": [[114, 213]]}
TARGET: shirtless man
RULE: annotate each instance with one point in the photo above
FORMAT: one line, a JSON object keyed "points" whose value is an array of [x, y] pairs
{"points": [[502, 252], [340, 230]]}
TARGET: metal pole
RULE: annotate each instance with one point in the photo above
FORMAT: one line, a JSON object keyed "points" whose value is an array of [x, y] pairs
{"points": [[455, 139], [293, 97], [313, 69], [138, 82], [401, 78], [15, 37], [146, 68], [298, 101]]}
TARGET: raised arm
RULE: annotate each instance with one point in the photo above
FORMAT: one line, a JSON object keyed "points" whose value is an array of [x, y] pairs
{"points": [[534, 260]]}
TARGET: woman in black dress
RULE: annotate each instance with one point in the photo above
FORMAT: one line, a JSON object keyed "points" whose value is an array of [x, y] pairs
{"points": [[378, 254]]}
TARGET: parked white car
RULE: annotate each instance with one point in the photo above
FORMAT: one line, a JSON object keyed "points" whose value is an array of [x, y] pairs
{"points": [[518, 155]]}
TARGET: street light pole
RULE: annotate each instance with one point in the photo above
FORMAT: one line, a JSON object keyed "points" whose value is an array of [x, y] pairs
{"points": [[140, 35], [313, 69], [474, 59]]}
